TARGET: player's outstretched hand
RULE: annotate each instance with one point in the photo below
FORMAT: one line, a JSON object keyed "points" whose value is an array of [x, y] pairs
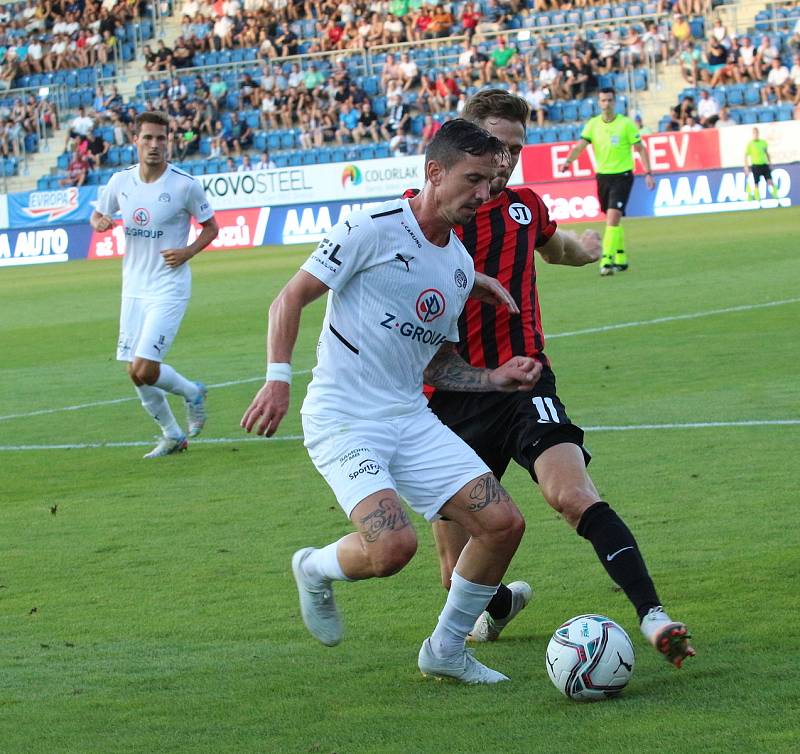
{"points": [[270, 406], [490, 291], [650, 182], [519, 373], [176, 257], [592, 245]]}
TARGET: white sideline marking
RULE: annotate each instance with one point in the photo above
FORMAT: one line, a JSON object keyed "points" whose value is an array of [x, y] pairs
{"points": [[674, 318], [587, 331], [288, 438]]}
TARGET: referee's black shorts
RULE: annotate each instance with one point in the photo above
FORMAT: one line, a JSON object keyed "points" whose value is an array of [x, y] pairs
{"points": [[501, 427], [761, 171], [613, 190]]}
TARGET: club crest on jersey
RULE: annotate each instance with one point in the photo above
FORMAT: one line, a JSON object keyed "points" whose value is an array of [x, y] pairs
{"points": [[460, 278], [165, 197], [430, 305], [141, 217], [520, 213]]}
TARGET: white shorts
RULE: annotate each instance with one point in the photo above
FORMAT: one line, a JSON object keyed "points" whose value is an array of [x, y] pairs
{"points": [[420, 458], [147, 328]]}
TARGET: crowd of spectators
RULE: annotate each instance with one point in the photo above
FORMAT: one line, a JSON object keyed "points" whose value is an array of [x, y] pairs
{"points": [[726, 59]]}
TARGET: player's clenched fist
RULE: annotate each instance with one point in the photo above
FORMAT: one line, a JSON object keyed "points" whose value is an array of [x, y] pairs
{"points": [[518, 373], [270, 406], [102, 223]]}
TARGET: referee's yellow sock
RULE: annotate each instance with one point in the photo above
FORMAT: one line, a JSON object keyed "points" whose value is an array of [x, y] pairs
{"points": [[609, 245], [620, 257]]}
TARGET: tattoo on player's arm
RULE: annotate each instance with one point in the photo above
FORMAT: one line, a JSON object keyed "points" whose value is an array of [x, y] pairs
{"points": [[388, 516], [448, 371], [485, 491]]}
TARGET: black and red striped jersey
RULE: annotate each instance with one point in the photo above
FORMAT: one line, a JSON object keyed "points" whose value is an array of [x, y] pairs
{"points": [[501, 240]]}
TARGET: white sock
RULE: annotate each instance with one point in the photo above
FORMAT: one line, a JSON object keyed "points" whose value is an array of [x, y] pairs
{"points": [[323, 564], [172, 382], [155, 403], [465, 602]]}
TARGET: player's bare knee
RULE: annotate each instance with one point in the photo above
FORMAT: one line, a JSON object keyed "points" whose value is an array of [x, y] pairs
{"points": [[571, 502], [505, 529], [393, 554]]}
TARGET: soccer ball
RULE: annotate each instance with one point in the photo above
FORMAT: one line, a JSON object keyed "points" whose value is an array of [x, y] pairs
{"points": [[589, 657]]}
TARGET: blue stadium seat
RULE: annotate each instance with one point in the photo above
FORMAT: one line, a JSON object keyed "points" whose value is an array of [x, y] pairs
{"points": [[549, 134], [382, 150], [586, 109], [785, 111], [569, 111], [765, 114], [734, 95], [752, 94], [555, 112], [533, 135], [287, 139], [748, 117]]}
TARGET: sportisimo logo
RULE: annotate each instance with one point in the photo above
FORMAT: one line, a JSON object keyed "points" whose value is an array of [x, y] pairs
{"points": [[367, 466], [351, 174], [141, 217], [430, 305]]}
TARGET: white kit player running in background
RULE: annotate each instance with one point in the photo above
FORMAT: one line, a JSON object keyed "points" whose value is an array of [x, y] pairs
{"points": [[157, 202], [398, 279]]}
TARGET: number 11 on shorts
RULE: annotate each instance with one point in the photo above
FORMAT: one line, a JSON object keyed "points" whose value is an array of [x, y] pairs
{"points": [[547, 411]]}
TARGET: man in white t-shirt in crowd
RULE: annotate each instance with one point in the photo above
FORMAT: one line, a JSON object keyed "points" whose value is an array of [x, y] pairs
{"points": [[157, 202], [707, 109], [779, 83], [398, 279]]}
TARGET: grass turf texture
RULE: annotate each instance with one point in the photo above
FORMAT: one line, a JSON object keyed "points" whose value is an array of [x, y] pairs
{"points": [[149, 606]]}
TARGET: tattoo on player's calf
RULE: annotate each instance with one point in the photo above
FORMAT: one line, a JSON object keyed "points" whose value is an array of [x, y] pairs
{"points": [[484, 492], [389, 515]]}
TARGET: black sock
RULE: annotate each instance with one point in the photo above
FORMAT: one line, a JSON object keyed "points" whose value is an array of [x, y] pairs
{"points": [[500, 605], [618, 552]]}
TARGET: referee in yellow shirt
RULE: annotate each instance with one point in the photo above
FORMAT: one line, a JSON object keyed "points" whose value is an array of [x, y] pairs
{"points": [[613, 136]]}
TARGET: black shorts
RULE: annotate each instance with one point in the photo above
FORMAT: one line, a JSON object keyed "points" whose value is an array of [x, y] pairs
{"points": [[505, 426], [613, 190], [761, 171]]}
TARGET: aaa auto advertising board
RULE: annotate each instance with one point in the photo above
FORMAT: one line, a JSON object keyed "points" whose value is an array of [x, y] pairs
{"points": [[674, 194], [48, 245]]}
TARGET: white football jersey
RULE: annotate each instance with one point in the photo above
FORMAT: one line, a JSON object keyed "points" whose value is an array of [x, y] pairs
{"points": [[156, 216], [395, 299]]}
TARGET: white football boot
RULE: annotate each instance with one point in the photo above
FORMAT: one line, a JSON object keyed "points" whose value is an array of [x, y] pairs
{"points": [[316, 603], [196, 411], [167, 446], [463, 668], [487, 628]]}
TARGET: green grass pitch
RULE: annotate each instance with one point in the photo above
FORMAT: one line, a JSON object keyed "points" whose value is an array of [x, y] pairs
{"points": [[149, 606]]}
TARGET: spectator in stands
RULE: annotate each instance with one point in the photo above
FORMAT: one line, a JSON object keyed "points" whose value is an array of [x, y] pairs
{"points": [[469, 19], [578, 80], [182, 54], [218, 91], [287, 43], [348, 120], [720, 33], [447, 92], [150, 58], [691, 124], [427, 99], [420, 21], [80, 125], [716, 59], [367, 125], [441, 24], [632, 48], [794, 79], [473, 65], [581, 48], [9, 141], [501, 62], [313, 78], [655, 42], [265, 162], [548, 77], [268, 115], [493, 18], [398, 119], [680, 32], [538, 99], [767, 52], [724, 119], [640, 127], [177, 89], [394, 30], [77, 171], [241, 136], [222, 33], [163, 57], [608, 51], [430, 128], [748, 64], [707, 109], [779, 83], [187, 139], [390, 71], [692, 66], [729, 72], [230, 165], [96, 149], [245, 166], [409, 72], [681, 112]]}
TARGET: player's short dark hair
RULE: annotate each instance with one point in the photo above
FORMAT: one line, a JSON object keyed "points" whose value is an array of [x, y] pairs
{"points": [[496, 103], [151, 116], [608, 90], [458, 138]]}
